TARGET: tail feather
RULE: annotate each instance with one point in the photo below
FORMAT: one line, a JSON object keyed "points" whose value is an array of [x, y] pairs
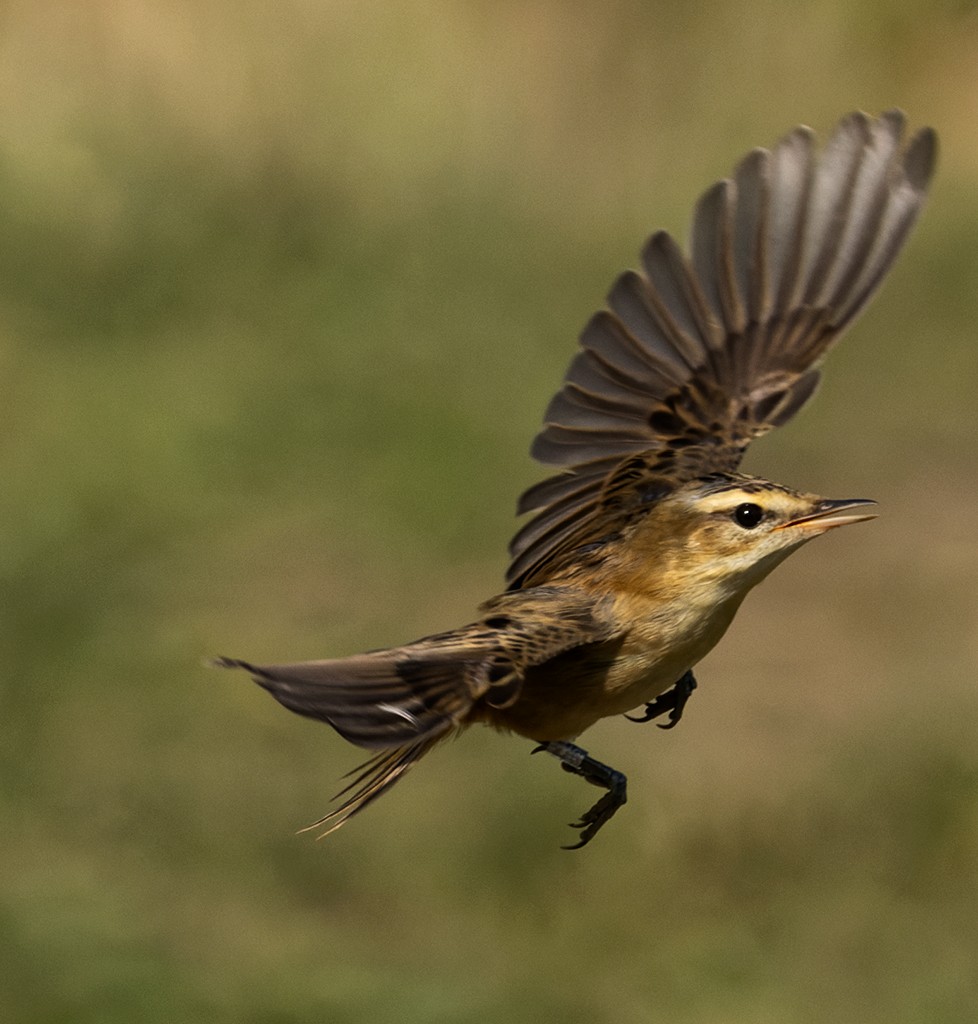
{"points": [[375, 777], [400, 702]]}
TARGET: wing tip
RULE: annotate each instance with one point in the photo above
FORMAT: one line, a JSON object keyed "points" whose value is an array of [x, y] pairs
{"points": [[920, 159]]}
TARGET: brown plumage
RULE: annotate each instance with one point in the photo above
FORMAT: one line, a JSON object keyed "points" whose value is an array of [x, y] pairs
{"points": [[696, 357], [644, 544]]}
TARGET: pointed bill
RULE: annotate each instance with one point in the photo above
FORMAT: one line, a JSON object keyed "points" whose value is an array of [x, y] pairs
{"points": [[826, 515]]}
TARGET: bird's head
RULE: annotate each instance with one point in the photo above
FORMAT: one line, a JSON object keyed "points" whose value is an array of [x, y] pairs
{"points": [[731, 530]]}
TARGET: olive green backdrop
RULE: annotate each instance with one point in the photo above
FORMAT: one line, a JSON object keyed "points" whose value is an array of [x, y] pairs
{"points": [[284, 291]]}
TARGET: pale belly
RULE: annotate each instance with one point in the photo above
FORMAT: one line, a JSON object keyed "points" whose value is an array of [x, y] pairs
{"points": [[568, 694]]}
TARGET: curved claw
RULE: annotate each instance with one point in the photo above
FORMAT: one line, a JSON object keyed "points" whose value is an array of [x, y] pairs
{"points": [[673, 701], [578, 762], [591, 821]]}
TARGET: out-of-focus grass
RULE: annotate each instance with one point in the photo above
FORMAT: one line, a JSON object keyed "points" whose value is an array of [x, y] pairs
{"points": [[284, 293]]}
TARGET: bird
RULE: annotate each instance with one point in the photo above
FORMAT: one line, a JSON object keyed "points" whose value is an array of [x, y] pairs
{"points": [[647, 537]]}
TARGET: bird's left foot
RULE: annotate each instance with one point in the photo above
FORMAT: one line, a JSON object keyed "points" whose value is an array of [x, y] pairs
{"points": [[578, 762], [673, 701]]}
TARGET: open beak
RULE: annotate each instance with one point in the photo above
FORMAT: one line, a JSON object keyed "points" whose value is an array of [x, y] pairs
{"points": [[826, 515]]}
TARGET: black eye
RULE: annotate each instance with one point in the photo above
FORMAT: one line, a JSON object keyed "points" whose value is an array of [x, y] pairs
{"points": [[748, 515]]}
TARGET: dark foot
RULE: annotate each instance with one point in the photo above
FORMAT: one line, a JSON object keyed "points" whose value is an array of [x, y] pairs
{"points": [[579, 762], [673, 701]]}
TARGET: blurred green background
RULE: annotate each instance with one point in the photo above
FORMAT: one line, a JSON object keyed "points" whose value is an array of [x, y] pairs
{"points": [[284, 291]]}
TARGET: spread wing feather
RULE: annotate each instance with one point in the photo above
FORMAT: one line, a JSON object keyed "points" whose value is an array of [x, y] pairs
{"points": [[694, 357]]}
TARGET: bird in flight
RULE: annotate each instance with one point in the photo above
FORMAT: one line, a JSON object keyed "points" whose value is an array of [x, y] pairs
{"points": [[646, 540]]}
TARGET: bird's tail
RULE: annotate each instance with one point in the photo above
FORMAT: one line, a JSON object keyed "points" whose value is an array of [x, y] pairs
{"points": [[371, 779], [399, 702]]}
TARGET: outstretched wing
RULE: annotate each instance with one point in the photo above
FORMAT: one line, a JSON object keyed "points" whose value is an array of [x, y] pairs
{"points": [[696, 356]]}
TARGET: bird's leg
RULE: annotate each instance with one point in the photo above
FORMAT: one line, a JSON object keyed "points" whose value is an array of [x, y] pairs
{"points": [[673, 701], [578, 762]]}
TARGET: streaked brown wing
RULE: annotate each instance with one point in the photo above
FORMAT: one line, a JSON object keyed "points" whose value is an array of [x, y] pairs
{"points": [[696, 356]]}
